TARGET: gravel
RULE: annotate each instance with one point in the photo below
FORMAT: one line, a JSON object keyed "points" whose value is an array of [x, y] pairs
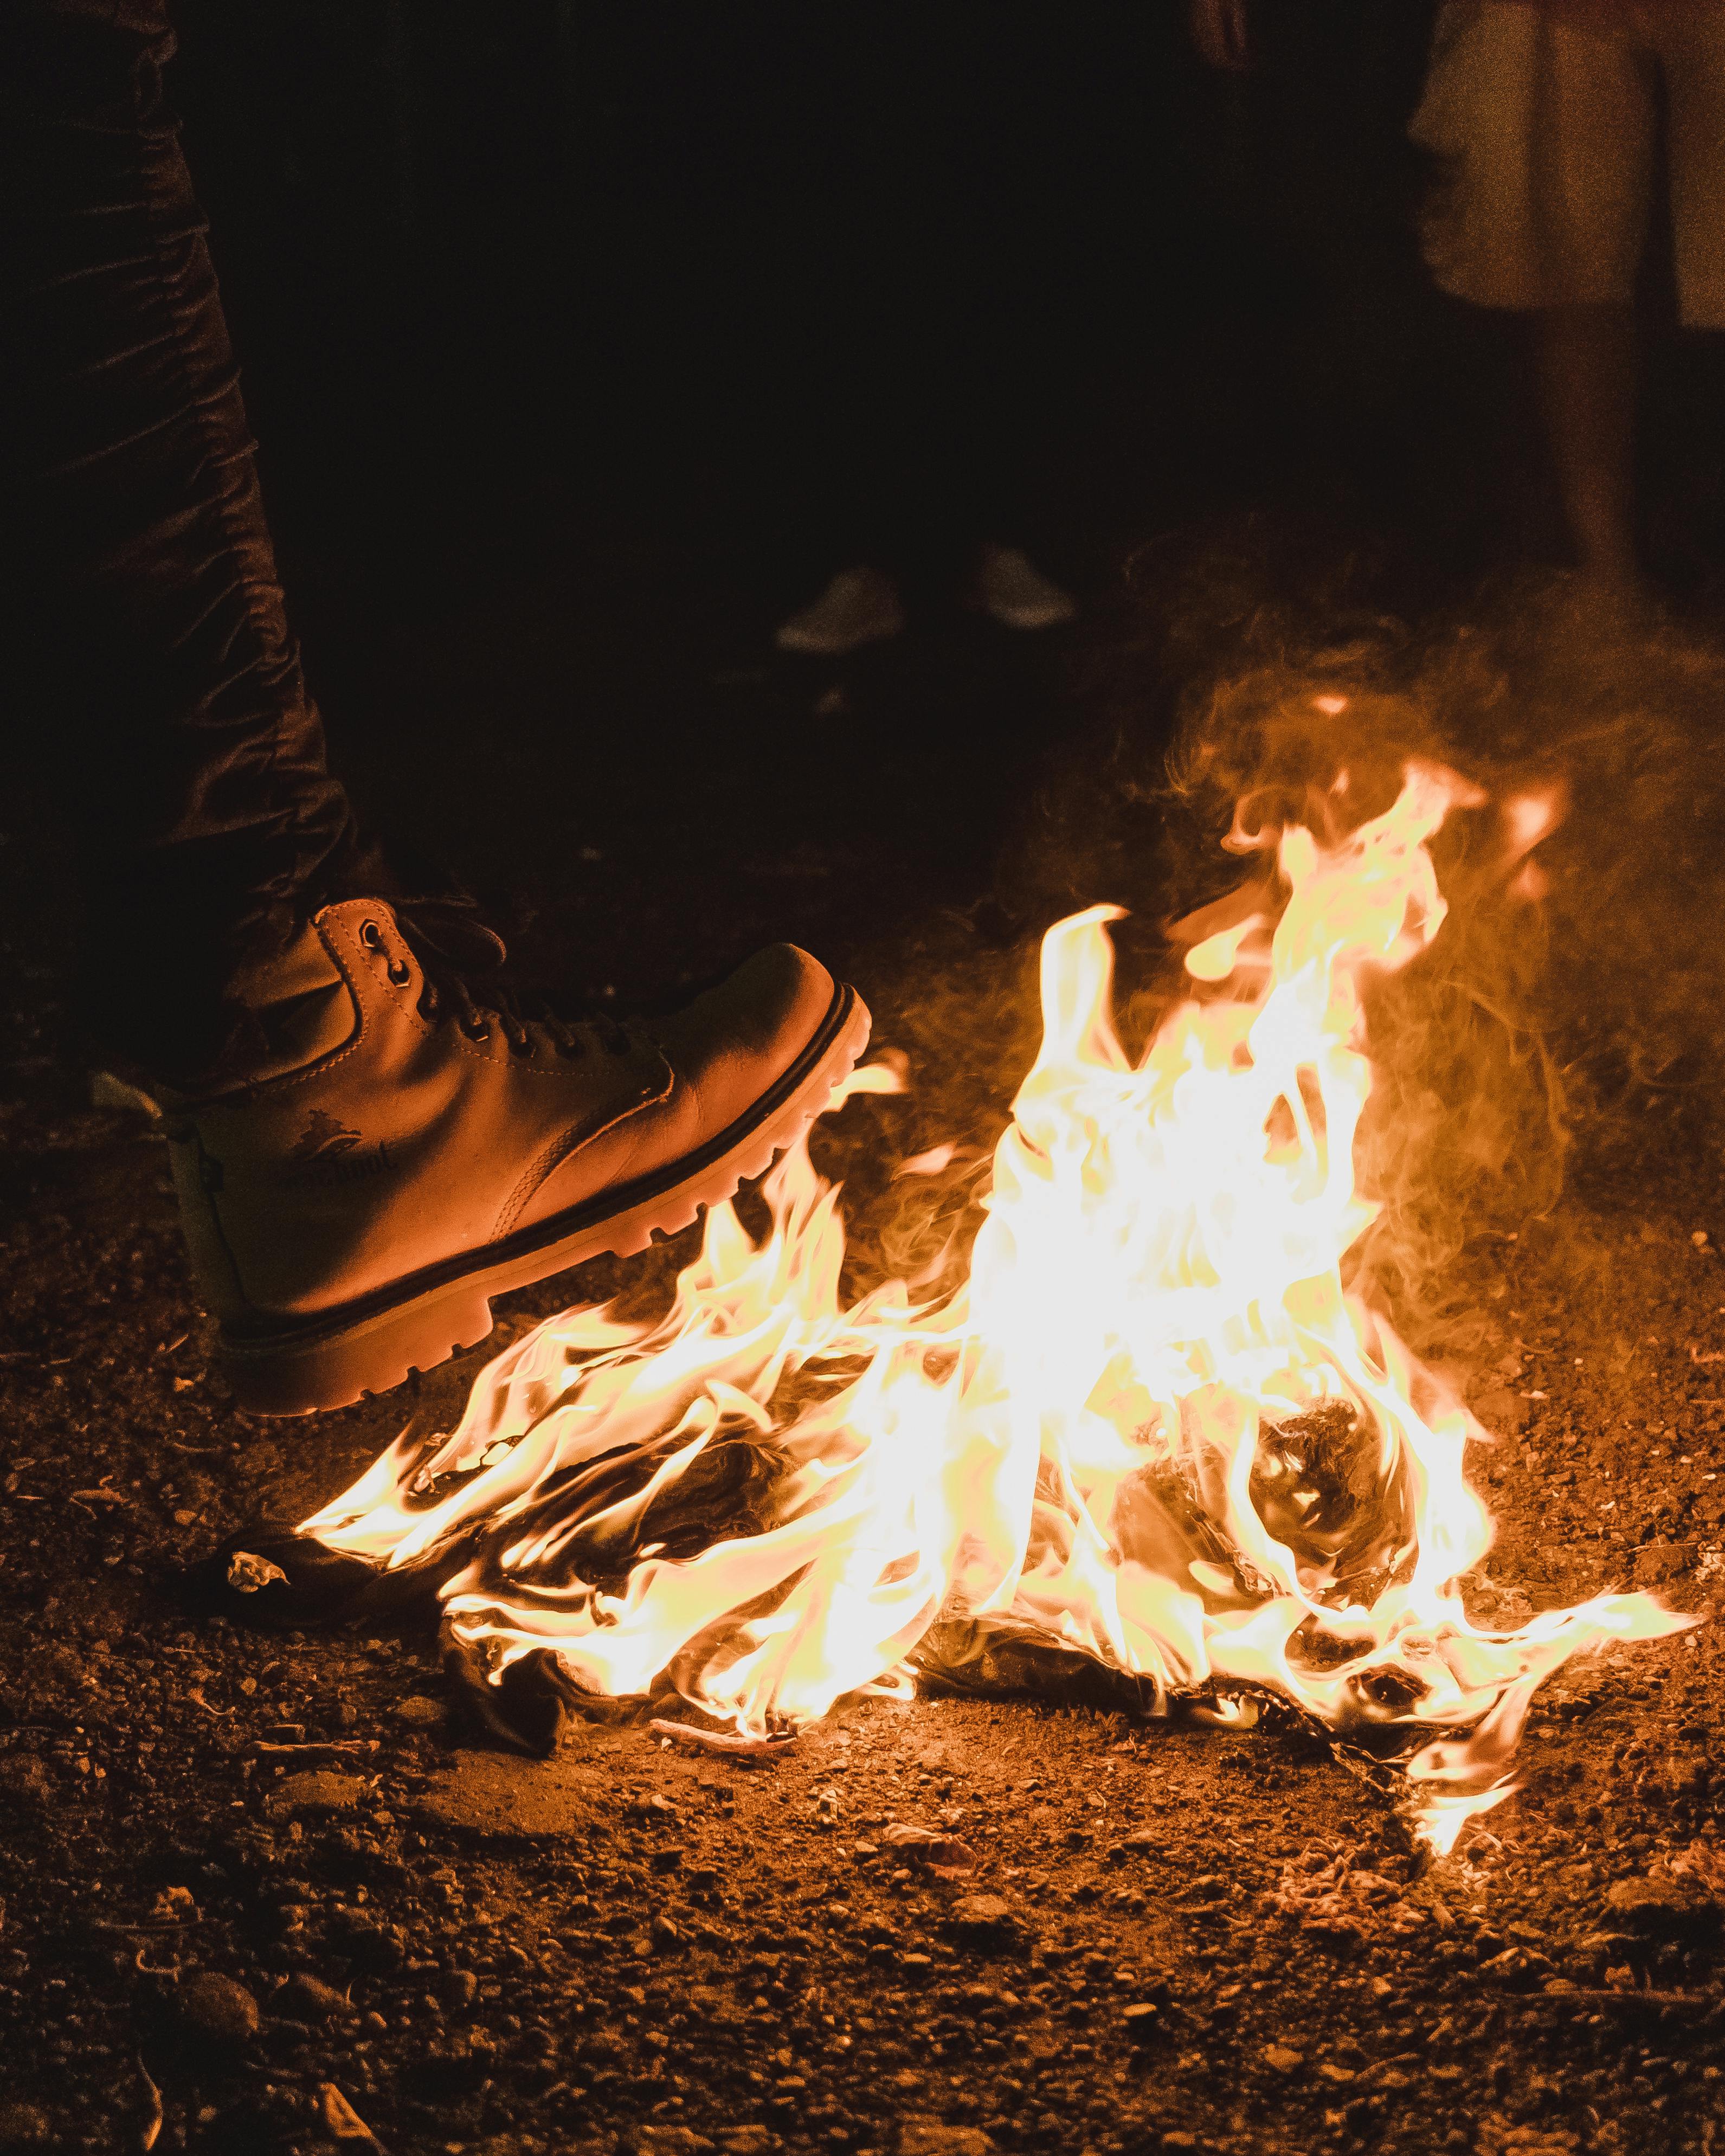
{"points": [[244, 1870], [267, 1864]]}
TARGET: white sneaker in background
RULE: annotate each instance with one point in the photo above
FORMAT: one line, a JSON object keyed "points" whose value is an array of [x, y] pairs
{"points": [[860, 606], [1014, 590]]}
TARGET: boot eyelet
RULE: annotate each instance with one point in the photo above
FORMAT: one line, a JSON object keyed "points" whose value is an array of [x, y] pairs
{"points": [[400, 973], [370, 935], [477, 1032]]}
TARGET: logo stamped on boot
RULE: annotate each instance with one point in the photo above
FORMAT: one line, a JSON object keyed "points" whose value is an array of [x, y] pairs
{"points": [[327, 1151], [324, 1134]]}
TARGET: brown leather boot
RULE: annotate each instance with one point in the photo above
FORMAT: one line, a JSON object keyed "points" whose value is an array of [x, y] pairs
{"points": [[396, 1153]]}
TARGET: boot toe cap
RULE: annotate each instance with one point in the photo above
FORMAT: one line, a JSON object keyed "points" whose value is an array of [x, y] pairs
{"points": [[732, 1044]]}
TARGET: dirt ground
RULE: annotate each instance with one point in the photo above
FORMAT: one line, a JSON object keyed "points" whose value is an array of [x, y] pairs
{"points": [[264, 1892], [270, 1889]]}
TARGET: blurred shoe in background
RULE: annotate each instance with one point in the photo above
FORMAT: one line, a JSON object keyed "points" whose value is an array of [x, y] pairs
{"points": [[860, 606], [1011, 588]]}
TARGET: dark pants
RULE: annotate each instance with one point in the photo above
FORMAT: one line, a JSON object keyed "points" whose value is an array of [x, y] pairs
{"points": [[185, 748]]}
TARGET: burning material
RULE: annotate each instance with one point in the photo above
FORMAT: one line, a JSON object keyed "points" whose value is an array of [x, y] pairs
{"points": [[1151, 1428], [733, 1743]]}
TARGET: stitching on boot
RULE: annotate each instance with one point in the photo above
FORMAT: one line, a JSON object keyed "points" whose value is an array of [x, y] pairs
{"points": [[567, 1142]]}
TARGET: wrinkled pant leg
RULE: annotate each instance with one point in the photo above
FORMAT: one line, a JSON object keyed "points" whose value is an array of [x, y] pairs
{"points": [[183, 744]]}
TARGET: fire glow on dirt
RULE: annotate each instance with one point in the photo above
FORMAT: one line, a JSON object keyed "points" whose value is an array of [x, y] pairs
{"points": [[1151, 1427]]}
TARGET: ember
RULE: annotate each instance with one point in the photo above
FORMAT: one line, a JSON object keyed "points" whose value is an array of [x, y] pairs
{"points": [[1151, 1428]]}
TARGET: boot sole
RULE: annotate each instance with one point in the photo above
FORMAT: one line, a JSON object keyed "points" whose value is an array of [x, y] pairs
{"points": [[375, 1343]]}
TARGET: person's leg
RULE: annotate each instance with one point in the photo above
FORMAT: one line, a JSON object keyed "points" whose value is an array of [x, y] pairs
{"points": [[188, 755], [1586, 362], [1593, 128], [991, 305], [1692, 46], [383, 1148], [1543, 135]]}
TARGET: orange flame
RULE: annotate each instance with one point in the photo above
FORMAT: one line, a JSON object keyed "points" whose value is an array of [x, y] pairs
{"points": [[1152, 1427]]}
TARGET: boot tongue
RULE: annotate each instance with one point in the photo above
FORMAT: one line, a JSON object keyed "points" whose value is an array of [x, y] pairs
{"points": [[292, 1008]]}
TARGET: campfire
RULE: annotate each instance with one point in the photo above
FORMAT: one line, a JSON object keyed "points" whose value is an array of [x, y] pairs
{"points": [[1142, 1420]]}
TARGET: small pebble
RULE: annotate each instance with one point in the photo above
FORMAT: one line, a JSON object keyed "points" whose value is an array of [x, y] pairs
{"points": [[216, 2008], [420, 1712], [309, 1999], [24, 2125], [315, 1793]]}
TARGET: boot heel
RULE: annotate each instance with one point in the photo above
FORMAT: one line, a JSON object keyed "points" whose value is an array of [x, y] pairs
{"points": [[305, 1371]]}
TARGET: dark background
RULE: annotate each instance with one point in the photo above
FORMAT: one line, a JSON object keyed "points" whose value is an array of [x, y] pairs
{"points": [[566, 330], [583, 343], [546, 260]]}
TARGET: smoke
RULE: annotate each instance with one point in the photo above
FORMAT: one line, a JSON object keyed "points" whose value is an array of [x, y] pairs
{"points": [[1569, 1002], [1569, 1008], [1468, 1122]]}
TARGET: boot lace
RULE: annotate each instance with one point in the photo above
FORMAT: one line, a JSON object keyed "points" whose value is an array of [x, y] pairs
{"points": [[461, 962]]}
